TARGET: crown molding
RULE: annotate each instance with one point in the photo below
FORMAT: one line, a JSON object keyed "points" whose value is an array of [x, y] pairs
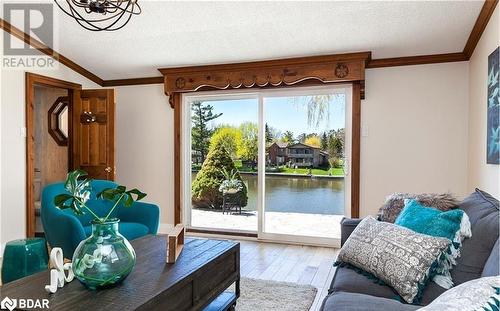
{"points": [[478, 29], [417, 60], [474, 37], [133, 81], [16, 32]]}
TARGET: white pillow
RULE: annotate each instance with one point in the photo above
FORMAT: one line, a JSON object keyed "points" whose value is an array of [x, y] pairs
{"points": [[479, 294]]}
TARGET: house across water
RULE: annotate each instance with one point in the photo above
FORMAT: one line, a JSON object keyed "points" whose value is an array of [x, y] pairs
{"points": [[297, 154]]}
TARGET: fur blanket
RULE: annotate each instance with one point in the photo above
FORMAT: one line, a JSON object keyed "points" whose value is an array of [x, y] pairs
{"points": [[395, 202]]}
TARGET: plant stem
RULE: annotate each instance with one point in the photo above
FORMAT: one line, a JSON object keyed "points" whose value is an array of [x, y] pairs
{"points": [[88, 209], [114, 206]]}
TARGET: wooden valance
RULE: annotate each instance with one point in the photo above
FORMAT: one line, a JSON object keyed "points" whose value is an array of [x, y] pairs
{"points": [[284, 72]]}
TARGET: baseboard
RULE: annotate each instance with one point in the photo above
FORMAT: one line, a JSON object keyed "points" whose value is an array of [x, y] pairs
{"points": [[165, 228]]}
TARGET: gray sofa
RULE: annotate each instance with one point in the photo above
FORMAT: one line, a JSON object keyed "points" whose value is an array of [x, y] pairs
{"points": [[480, 257]]}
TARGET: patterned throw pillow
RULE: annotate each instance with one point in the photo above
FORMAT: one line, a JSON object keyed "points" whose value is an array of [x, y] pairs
{"points": [[396, 202], [453, 225], [400, 257], [476, 295]]}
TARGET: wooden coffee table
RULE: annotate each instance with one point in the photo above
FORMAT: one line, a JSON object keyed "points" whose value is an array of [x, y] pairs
{"points": [[199, 280]]}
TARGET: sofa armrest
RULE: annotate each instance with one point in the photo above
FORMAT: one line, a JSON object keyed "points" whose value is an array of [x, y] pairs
{"points": [[144, 213], [347, 226]]}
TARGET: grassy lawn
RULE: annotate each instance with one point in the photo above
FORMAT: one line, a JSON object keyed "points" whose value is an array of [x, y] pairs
{"points": [[315, 171], [286, 170]]}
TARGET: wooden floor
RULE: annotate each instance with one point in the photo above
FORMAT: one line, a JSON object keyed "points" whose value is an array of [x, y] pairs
{"points": [[289, 263]]}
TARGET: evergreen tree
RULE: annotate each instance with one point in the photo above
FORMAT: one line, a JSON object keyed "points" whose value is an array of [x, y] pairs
{"points": [[200, 132], [269, 135], [205, 187], [287, 137], [324, 141]]}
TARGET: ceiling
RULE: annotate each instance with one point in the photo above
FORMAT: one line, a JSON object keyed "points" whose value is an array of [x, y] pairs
{"points": [[180, 33]]}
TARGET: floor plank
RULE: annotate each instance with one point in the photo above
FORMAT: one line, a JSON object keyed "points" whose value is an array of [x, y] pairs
{"points": [[289, 263]]}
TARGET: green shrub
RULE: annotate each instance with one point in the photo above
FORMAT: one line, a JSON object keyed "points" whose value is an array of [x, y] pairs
{"points": [[205, 187]]}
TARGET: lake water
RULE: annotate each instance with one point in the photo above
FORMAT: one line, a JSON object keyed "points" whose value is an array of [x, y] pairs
{"points": [[298, 194]]}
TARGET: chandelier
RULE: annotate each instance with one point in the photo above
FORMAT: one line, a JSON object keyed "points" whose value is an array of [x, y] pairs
{"points": [[100, 15]]}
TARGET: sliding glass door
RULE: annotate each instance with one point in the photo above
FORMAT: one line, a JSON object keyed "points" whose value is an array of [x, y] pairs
{"points": [[270, 162], [223, 146], [304, 187]]}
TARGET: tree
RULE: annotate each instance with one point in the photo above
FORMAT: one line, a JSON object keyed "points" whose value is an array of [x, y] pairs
{"points": [[335, 147], [318, 108], [324, 141], [230, 138], [269, 135], [313, 140], [205, 187], [287, 137], [250, 141], [200, 132], [302, 138]]}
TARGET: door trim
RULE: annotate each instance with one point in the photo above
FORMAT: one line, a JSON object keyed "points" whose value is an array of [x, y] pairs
{"points": [[32, 80]]}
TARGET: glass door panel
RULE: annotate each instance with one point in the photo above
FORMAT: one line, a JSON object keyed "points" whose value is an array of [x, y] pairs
{"points": [[223, 147], [304, 176]]}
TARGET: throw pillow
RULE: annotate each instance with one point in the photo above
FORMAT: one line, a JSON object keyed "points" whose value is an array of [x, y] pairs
{"points": [[453, 225], [397, 256], [479, 294], [395, 203]]}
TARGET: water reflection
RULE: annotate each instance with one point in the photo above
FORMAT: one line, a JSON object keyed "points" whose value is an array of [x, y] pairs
{"points": [[298, 194]]}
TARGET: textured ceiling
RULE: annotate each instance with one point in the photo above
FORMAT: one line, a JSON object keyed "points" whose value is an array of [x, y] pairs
{"points": [[178, 33]]}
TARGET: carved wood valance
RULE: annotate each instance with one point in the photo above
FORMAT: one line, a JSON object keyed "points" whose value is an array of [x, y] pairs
{"points": [[274, 73]]}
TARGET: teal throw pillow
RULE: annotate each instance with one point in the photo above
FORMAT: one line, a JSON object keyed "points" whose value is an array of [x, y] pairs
{"points": [[453, 225]]}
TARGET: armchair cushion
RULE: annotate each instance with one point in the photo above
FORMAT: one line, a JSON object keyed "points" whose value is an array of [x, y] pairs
{"points": [[130, 230]]}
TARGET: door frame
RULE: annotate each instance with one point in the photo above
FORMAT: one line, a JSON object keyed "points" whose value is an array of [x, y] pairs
{"points": [[32, 80]]}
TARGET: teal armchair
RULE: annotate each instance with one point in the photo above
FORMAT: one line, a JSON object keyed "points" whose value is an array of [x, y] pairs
{"points": [[65, 229]]}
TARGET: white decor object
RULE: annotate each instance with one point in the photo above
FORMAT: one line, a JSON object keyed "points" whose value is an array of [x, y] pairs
{"points": [[57, 275]]}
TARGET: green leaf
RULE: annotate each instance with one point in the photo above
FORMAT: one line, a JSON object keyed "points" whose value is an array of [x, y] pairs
{"points": [[140, 195], [60, 199], [71, 183], [128, 200], [121, 189], [108, 194]]}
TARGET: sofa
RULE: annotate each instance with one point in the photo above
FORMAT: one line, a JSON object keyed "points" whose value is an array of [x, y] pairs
{"points": [[65, 229], [479, 258]]}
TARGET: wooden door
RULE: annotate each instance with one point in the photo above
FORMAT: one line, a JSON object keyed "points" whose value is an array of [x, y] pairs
{"points": [[93, 145]]}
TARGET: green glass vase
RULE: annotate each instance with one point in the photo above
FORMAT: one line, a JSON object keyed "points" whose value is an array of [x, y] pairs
{"points": [[105, 258]]}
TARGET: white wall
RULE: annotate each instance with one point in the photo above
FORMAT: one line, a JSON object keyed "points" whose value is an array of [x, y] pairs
{"points": [[417, 132], [482, 175], [145, 145], [13, 152]]}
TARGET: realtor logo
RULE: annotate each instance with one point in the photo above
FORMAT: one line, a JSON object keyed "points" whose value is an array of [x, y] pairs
{"points": [[37, 21], [34, 19], [8, 303]]}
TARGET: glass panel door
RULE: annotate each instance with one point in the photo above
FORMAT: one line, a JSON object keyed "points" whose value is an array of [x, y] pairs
{"points": [[304, 181], [223, 164]]}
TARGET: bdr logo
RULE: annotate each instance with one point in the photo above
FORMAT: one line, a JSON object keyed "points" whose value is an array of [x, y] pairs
{"points": [[10, 304]]}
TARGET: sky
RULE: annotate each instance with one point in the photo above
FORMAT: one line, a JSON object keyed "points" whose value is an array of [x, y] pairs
{"points": [[281, 113]]}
